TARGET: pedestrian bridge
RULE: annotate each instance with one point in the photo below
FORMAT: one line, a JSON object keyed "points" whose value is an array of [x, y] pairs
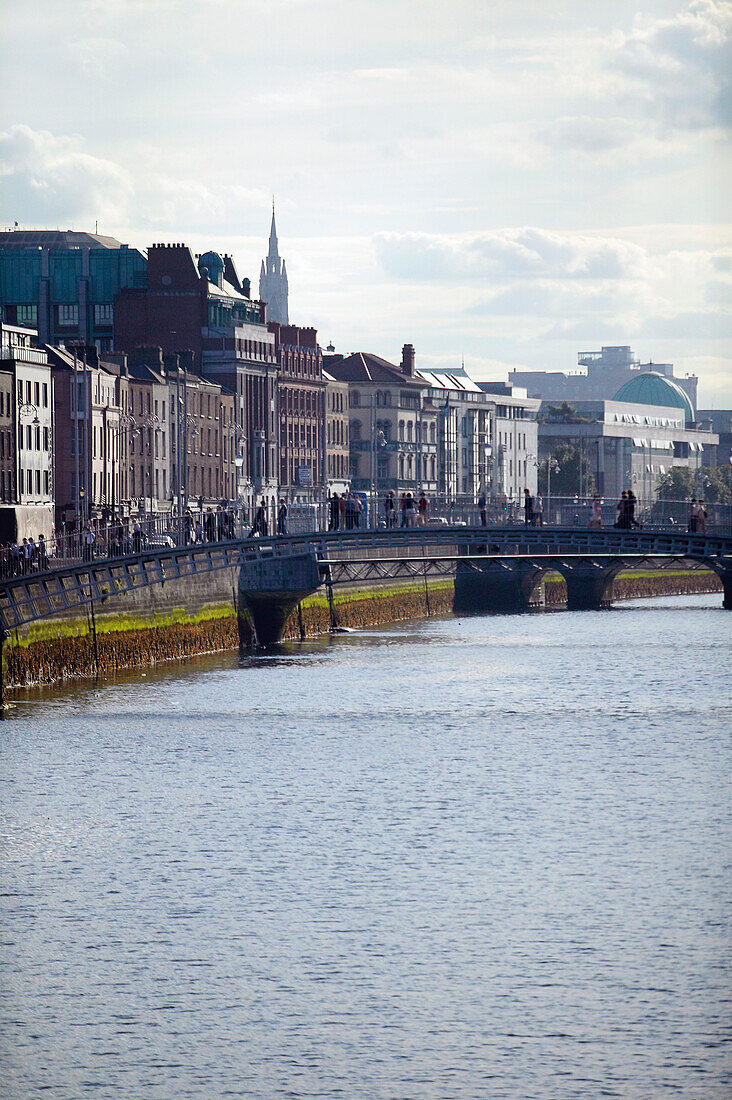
{"points": [[495, 568]]}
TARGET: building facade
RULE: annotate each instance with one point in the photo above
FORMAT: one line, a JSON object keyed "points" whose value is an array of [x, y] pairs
{"points": [[515, 440], [301, 391], [63, 284], [392, 423], [337, 455], [465, 434], [86, 454], [626, 445], [200, 305], [26, 436]]}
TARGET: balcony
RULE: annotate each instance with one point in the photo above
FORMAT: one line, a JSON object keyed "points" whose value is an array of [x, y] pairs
{"points": [[24, 355]]}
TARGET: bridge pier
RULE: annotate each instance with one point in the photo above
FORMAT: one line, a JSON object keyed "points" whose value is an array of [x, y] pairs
{"points": [[725, 576], [589, 585], [494, 587], [269, 591]]}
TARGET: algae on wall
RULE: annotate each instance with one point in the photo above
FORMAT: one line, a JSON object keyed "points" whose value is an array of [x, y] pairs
{"points": [[59, 649]]}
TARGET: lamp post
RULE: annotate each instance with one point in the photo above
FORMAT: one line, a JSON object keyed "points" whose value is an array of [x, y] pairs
{"points": [[551, 464]]}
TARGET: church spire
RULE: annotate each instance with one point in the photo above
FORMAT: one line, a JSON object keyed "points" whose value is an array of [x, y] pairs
{"points": [[273, 279]]}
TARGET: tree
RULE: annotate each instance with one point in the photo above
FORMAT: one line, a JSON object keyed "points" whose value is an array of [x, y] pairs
{"points": [[565, 482], [677, 484], [717, 483], [711, 483]]}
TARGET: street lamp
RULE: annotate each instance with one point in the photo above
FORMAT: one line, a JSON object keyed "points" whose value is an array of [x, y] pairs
{"points": [[551, 464]]}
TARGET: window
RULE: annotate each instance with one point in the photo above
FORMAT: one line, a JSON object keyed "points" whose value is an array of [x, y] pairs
{"points": [[27, 315], [355, 429], [401, 432], [68, 314], [409, 431], [103, 313], [44, 393], [355, 398]]}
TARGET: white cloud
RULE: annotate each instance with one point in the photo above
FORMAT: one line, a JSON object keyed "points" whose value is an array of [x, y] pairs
{"points": [[529, 252], [51, 180]]}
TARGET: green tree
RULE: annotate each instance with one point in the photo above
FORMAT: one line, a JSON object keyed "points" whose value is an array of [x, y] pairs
{"points": [[565, 482], [677, 484], [717, 484]]}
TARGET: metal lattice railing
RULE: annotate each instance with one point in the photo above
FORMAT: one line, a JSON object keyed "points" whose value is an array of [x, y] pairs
{"points": [[39, 595]]}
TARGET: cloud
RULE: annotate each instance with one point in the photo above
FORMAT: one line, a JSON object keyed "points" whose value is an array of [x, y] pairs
{"points": [[50, 180], [97, 57], [682, 65], [508, 253], [691, 325]]}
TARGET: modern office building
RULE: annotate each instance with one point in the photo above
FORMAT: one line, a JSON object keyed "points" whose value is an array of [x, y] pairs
{"points": [[600, 375], [632, 441], [464, 432], [63, 283], [515, 439]]}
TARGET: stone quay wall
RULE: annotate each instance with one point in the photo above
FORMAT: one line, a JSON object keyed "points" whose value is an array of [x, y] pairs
{"points": [[197, 615]]}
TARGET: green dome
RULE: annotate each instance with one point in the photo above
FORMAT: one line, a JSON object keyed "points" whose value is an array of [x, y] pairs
{"points": [[651, 388]]}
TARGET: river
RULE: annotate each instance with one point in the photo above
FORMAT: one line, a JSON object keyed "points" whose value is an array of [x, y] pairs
{"points": [[445, 859]]}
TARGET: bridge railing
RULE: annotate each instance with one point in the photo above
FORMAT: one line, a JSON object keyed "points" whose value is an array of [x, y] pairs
{"points": [[159, 532]]}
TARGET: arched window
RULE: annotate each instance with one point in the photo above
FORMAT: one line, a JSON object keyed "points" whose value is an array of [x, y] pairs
{"points": [[409, 431], [432, 435], [378, 398], [355, 397], [387, 397], [355, 429], [401, 430]]}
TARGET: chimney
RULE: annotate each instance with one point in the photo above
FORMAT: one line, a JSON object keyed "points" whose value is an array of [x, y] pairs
{"points": [[408, 360]]}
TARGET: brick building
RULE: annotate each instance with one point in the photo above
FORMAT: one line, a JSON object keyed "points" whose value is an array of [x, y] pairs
{"points": [[199, 304], [301, 412]]}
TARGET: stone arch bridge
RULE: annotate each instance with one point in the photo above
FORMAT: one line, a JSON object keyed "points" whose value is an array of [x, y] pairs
{"points": [[495, 568]]}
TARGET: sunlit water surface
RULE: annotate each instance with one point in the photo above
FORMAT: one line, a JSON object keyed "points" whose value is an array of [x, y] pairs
{"points": [[477, 858]]}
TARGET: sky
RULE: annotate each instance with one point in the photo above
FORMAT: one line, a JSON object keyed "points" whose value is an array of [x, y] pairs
{"points": [[508, 181]]}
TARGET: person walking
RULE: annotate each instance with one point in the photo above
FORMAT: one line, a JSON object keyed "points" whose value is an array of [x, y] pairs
{"points": [[693, 516], [210, 523], [282, 518], [528, 509], [88, 543], [631, 508], [42, 553], [410, 511], [389, 509], [422, 510], [482, 505], [334, 513], [259, 526], [136, 537], [621, 519]]}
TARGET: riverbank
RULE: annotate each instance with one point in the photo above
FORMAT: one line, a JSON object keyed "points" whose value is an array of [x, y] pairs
{"points": [[53, 651]]}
